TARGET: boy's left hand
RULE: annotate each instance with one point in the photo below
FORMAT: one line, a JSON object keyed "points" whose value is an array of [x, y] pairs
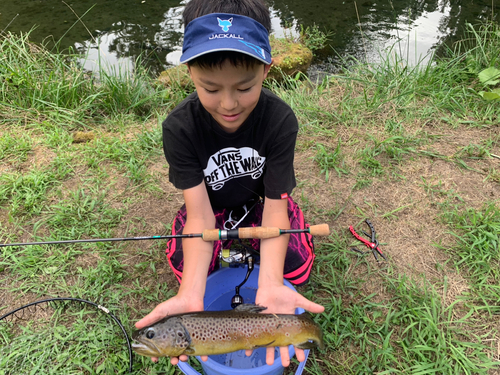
{"points": [[280, 299]]}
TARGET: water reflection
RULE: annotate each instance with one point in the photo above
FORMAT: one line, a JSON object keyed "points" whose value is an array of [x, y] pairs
{"points": [[415, 42], [115, 33]]}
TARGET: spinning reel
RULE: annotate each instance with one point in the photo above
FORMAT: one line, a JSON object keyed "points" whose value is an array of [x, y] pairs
{"points": [[239, 256]]}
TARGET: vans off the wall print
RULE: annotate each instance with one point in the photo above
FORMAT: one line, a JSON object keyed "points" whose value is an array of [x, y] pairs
{"points": [[232, 162]]}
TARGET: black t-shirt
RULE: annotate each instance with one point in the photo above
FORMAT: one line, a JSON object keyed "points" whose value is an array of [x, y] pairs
{"points": [[255, 161]]}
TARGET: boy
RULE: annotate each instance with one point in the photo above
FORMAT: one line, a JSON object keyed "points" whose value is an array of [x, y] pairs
{"points": [[228, 144]]}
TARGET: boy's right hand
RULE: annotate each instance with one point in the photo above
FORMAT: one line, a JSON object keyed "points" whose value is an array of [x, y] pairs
{"points": [[175, 305]]}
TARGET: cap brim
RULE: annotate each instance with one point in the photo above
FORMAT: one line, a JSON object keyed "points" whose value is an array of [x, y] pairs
{"points": [[195, 52]]}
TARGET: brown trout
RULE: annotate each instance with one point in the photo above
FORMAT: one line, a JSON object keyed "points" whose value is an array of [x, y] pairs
{"points": [[219, 332]]}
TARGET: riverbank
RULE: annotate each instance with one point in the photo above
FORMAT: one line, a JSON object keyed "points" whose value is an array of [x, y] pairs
{"points": [[414, 149]]}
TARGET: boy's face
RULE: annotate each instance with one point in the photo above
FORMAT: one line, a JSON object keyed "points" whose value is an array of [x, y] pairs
{"points": [[229, 93]]}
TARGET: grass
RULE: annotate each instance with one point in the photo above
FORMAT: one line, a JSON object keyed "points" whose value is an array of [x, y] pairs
{"points": [[408, 147], [328, 160], [26, 192], [477, 251], [73, 334], [35, 82]]}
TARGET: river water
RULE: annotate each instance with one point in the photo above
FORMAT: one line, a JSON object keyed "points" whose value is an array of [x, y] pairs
{"points": [[117, 32]]}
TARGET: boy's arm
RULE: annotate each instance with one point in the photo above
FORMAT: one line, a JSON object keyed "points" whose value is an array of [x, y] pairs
{"points": [[197, 252], [272, 293], [273, 250], [197, 257]]}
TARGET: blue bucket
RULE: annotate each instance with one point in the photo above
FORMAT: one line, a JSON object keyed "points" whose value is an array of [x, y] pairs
{"points": [[218, 295]]}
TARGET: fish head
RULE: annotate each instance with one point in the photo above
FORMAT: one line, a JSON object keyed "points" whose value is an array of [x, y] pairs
{"points": [[166, 338]]}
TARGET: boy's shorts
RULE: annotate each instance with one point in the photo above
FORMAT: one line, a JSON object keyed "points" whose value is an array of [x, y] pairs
{"points": [[299, 257]]}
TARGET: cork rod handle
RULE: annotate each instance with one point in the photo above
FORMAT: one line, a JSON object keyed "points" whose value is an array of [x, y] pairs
{"points": [[211, 235], [265, 232], [259, 232], [319, 230]]}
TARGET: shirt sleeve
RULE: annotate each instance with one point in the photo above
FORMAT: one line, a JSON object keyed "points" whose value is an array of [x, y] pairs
{"points": [[179, 146], [279, 177]]}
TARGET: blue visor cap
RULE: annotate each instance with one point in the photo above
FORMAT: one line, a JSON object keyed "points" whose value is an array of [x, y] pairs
{"points": [[226, 32]]}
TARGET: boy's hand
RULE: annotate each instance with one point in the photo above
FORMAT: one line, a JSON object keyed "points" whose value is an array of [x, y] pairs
{"points": [[174, 305], [280, 299]]}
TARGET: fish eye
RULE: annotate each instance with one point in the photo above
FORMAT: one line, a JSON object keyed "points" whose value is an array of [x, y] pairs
{"points": [[150, 333]]}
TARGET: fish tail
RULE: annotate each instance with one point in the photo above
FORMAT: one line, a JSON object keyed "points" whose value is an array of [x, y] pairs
{"points": [[321, 344]]}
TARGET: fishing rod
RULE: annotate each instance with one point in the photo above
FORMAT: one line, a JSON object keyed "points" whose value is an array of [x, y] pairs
{"points": [[207, 235]]}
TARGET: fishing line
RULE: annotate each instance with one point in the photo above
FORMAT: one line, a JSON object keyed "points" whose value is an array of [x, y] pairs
{"points": [[20, 314], [6, 27]]}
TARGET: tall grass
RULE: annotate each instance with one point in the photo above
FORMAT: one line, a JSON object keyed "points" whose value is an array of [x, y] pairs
{"points": [[479, 47], [450, 83], [39, 84], [34, 80]]}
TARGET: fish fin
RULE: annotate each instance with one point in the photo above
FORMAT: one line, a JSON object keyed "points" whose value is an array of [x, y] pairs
{"points": [[307, 315], [263, 346], [310, 345], [250, 308], [189, 351]]}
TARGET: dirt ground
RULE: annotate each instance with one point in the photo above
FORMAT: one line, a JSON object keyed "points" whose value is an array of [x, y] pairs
{"points": [[418, 185]]}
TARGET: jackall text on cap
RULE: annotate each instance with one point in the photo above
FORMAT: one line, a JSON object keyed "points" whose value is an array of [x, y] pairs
{"points": [[226, 32]]}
